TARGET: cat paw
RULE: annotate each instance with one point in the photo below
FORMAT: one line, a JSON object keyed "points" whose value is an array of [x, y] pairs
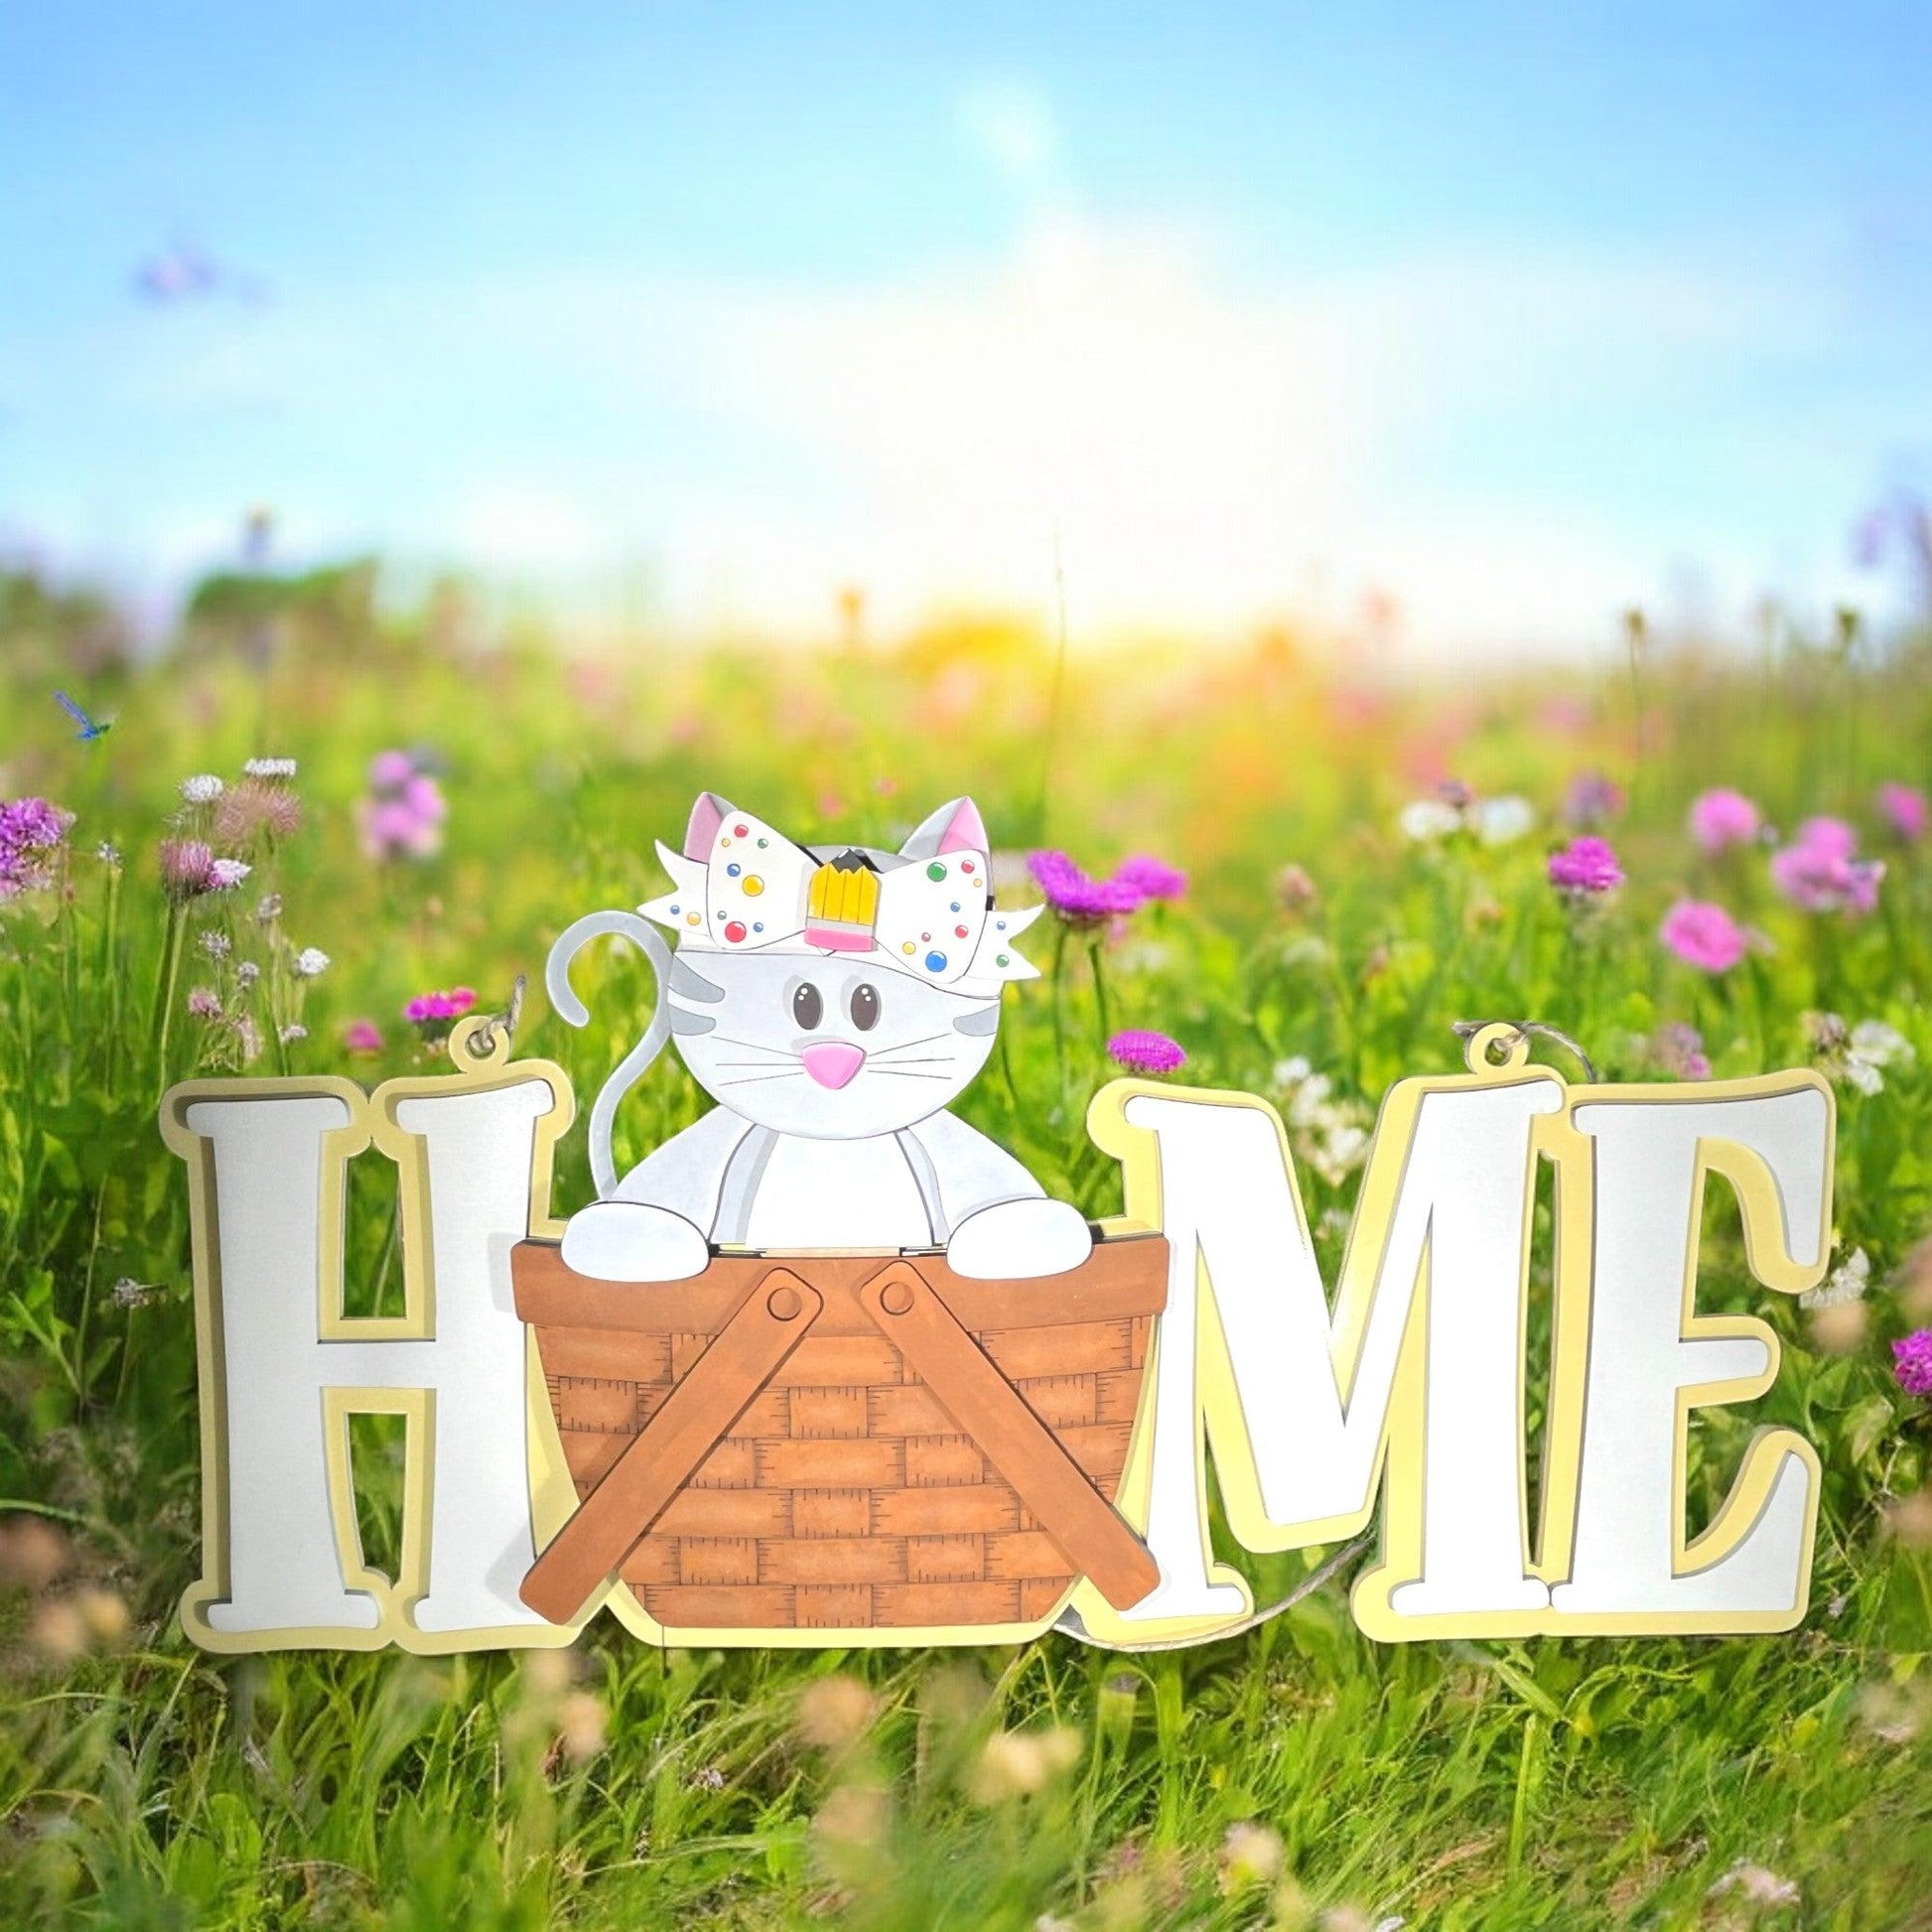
{"points": [[1018, 1240], [632, 1241]]}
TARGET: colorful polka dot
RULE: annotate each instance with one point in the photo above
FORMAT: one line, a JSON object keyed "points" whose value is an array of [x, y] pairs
{"points": [[690, 919], [907, 947], [735, 933], [1002, 960], [955, 906], [754, 885], [763, 842], [742, 831], [757, 925], [925, 935], [731, 870], [935, 962], [965, 864], [1001, 923], [937, 870], [959, 933]]}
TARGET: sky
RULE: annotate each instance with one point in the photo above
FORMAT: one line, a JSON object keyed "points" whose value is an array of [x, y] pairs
{"points": [[1516, 316]]}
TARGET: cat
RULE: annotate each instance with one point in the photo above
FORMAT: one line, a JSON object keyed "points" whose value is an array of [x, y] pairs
{"points": [[833, 1000]]}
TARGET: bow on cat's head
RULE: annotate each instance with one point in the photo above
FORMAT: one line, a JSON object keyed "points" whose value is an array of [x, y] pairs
{"points": [[926, 910]]}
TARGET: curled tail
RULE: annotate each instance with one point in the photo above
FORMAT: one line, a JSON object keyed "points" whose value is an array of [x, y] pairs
{"points": [[632, 1068]]}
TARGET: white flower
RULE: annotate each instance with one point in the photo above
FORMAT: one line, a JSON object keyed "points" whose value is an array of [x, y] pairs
{"points": [[1855, 1058], [202, 789], [1848, 1283], [310, 963], [1881, 1045], [227, 874], [215, 944], [247, 973], [1425, 820], [270, 767], [291, 1033], [1291, 1072], [1502, 820], [108, 852], [1759, 1886]]}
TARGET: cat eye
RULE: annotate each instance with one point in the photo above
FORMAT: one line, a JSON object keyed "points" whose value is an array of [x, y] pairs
{"points": [[807, 1006], [864, 1005]]}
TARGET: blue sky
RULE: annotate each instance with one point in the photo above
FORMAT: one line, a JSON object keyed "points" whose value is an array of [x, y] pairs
{"points": [[1519, 315]]}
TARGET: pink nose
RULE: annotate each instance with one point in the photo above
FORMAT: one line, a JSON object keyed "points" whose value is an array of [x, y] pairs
{"points": [[833, 1063]]}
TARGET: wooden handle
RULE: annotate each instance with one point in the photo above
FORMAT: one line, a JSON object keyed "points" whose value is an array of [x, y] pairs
{"points": [[766, 1326], [1012, 1439]]}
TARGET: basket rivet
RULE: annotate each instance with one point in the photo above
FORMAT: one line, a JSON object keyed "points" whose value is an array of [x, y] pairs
{"points": [[895, 1298], [784, 1304]]}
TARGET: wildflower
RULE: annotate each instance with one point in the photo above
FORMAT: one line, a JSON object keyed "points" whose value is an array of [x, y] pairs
{"points": [[268, 908], [1078, 899], [1297, 892], [31, 833], [835, 1712], [130, 1294], [1149, 876], [256, 808], [707, 1777], [1857, 1057], [1819, 872], [1848, 1283], [1250, 1855], [1723, 817], [108, 854], [187, 868], [224, 875], [310, 963], [1678, 1049], [426, 1008], [402, 816], [1756, 1884], [1425, 820], [1586, 865], [1911, 1362], [1704, 935], [1139, 1052], [293, 1031], [1502, 820], [1905, 811], [247, 973], [1591, 800], [270, 767], [1840, 1318], [205, 1003], [362, 1037], [1022, 1764], [217, 945], [202, 789]]}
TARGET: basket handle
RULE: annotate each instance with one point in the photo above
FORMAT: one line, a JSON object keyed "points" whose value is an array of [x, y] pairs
{"points": [[1081, 1522], [745, 1353]]}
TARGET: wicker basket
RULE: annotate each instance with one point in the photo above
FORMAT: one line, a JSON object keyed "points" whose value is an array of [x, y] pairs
{"points": [[844, 1494]]}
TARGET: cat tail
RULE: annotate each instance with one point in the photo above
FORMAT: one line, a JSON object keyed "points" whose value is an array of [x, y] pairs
{"points": [[633, 1067]]}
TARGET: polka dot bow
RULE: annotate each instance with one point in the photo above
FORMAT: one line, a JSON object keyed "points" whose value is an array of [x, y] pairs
{"points": [[740, 886]]}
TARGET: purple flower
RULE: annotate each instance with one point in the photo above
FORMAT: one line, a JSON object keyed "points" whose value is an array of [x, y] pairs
{"points": [[1905, 810], [1139, 1052], [205, 1003], [402, 815], [187, 868], [1679, 1050], [362, 1037], [31, 833], [1724, 817], [1586, 865], [1078, 899], [1911, 1362], [1149, 876], [1818, 871], [1592, 799], [426, 1008], [1702, 935]]}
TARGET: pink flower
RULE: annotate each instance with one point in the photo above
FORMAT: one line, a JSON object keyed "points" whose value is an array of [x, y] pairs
{"points": [[205, 1003], [1818, 873], [391, 771], [31, 833], [187, 868], [1911, 1362], [402, 815], [362, 1037], [1149, 876], [1679, 1050], [1592, 799], [1702, 935], [1145, 1052], [428, 1008], [1586, 865], [1724, 817], [1078, 899], [1905, 810]]}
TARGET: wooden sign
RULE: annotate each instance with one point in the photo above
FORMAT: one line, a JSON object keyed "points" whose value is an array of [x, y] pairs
{"points": [[829, 1367]]}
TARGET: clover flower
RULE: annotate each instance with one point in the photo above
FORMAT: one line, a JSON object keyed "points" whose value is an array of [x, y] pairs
{"points": [[1819, 871], [1911, 1362], [1141, 1052], [33, 833], [1702, 934], [1585, 867], [1905, 811], [1723, 817]]}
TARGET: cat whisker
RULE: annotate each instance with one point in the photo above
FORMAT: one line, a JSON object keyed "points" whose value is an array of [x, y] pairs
{"points": [[747, 1062], [749, 1045], [753, 1079], [906, 1045], [881, 1071]]}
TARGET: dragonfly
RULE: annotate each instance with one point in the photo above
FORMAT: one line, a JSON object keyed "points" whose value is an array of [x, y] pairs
{"points": [[86, 729]]}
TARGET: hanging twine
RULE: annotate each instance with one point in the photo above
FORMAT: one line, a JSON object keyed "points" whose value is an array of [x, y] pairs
{"points": [[1524, 1031]]}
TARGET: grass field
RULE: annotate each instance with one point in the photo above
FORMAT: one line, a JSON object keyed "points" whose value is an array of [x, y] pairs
{"points": [[1297, 1776]]}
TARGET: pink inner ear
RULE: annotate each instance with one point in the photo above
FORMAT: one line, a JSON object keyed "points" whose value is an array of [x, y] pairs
{"points": [[701, 834], [964, 832]]}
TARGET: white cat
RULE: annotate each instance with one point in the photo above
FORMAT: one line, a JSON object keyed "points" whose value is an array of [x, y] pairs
{"points": [[832, 1001]]}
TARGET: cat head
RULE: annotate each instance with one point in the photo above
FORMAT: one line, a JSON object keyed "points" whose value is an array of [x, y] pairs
{"points": [[836, 992]]}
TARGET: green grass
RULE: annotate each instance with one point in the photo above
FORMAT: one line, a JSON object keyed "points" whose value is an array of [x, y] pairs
{"points": [[1298, 1775]]}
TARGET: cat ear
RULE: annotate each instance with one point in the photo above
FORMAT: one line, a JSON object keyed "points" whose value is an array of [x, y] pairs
{"points": [[955, 827], [701, 833]]}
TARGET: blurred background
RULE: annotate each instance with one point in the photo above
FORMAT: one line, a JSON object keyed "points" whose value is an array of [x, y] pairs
{"points": [[1443, 337]]}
